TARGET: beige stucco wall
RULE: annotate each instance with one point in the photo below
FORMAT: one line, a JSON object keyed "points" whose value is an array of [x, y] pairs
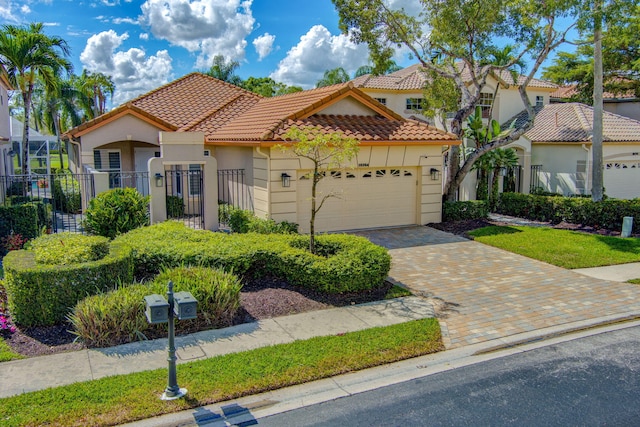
{"points": [[5, 127], [396, 101], [558, 173], [119, 133], [348, 106], [282, 203]]}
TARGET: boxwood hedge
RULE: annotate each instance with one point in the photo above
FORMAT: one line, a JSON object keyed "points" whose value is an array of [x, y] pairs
{"points": [[43, 294], [345, 263]]}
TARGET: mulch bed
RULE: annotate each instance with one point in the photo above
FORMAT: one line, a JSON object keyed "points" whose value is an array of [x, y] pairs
{"points": [[261, 298]]}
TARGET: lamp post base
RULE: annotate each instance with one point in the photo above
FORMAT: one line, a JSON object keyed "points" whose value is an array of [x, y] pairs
{"points": [[172, 396]]}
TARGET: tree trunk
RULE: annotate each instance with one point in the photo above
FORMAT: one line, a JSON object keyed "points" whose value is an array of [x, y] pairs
{"points": [[596, 147], [312, 221], [26, 99]]}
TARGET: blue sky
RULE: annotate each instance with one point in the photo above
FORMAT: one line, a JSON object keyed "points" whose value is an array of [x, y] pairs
{"points": [[143, 44]]}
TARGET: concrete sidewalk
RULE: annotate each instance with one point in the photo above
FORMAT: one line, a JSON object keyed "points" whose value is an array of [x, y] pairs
{"points": [[615, 273], [21, 376]]}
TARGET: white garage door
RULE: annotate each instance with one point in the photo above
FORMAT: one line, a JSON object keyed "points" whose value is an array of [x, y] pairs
{"points": [[365, 198], [622, 179]]}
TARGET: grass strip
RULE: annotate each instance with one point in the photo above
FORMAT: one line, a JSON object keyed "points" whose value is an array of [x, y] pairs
{"points": [[564, 248], [634, 281], [6, 353], [124, 398]]}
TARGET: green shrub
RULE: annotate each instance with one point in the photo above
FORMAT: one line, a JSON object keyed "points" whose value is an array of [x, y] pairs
{"points": [[244, 221], [175, 207], [472, 209], [66, 193], [607, 213], [24, 219], [43, 294], [69, 248], [116, 212], [345, 263], [118, 317]]}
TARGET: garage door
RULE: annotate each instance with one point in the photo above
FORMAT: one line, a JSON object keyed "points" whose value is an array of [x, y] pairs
{"points": [[365, 198], [622, 179]]}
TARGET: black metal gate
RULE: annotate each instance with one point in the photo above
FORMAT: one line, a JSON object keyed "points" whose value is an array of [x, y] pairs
{"points": [[185, 195], [233, 192]]}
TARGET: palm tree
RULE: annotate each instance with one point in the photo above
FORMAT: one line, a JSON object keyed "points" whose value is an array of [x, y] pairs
{"points": [[332, 77], [225, 71], [26, 53], [97, 87], [505, 58], [501, 160]]}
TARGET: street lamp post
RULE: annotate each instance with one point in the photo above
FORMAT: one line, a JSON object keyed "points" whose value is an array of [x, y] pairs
{"points": [[158, 310]]}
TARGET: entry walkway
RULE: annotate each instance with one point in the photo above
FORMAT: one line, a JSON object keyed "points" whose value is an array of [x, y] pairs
{"points": [[484, 293]]}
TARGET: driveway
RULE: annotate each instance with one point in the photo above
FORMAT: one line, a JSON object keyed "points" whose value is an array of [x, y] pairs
{"points": [[484, 293]]}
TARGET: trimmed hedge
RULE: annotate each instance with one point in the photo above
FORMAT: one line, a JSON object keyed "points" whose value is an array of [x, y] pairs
{"points": [[116, 212], [24, 219], [43, 294], [472, 209], [69, 248], [607, 213], [244, 221], [117, 317], [346, 263], [66, 192]]}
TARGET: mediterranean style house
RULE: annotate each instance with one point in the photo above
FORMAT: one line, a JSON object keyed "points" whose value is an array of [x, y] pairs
{"points": [[6, 160], [203, 124]]}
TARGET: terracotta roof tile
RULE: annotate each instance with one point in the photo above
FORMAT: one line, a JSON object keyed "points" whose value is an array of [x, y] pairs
{"points": [[371, 128], [566, 92], [413, 78], [573, 122]]}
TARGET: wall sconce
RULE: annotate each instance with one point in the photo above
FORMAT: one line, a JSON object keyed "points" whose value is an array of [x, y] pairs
{"points": [[286, 179], [159, 179], [435, 174], [502, 171]]}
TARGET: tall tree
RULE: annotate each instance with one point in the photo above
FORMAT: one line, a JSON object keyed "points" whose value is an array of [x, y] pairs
{"points": [[27, 53], [369, 69], [98, 89], [225, 71], [268, 87], [327, 151], [332, 77], [461, 35], [597, 178]]}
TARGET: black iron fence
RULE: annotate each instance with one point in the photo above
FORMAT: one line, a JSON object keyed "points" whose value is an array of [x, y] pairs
{"points": [[233, 192], [535, 178], [185, 196]]}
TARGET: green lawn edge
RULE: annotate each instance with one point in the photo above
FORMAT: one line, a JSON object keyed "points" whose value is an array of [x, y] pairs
{"points": [[6, 353], [124, 398], [563, 248]]}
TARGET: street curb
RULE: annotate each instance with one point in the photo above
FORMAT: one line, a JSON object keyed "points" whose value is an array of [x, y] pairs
{"points": [[249, 408]]}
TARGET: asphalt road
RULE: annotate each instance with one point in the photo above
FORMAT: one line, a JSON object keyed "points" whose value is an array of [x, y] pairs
{"points": [[593, 381]]}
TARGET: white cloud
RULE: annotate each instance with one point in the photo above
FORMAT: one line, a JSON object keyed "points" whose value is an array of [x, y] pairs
{"points": [[317, 52], [8, 11], [264, 45], [124, 21], [144, 36], [25, 9], [132, 71], [205, 27]]}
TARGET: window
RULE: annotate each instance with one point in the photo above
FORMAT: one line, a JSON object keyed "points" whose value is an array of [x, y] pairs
{"points": [[195, 179], [108, 161], [336, 174], [382, 101], [381, 173], [414, 104], [485, 102], [539, 101]]}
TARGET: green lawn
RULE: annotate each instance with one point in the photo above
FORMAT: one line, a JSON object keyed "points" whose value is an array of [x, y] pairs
{"points": [[564, 248], [6, 353], [123, 398], [634, 281]]}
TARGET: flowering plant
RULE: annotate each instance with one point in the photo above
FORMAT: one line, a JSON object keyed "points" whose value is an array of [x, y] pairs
{"points": [[13, 242], [5, 324]]}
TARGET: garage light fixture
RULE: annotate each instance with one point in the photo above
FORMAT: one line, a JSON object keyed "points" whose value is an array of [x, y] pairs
{"points": [[159, 179], [435, 174], [286, 179]]}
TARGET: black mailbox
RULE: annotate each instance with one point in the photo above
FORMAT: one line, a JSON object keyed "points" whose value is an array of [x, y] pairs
{"points": [[157, 310], [184, 305]]}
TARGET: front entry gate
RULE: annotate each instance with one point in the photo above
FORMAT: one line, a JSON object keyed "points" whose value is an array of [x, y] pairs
{"points": [[185, 195]]}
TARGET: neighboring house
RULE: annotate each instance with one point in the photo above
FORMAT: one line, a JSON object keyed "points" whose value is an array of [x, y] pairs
{"points": [[39, 147], [402, 91], [559, 146], [6, 165], [624, 104], [395, 179]]}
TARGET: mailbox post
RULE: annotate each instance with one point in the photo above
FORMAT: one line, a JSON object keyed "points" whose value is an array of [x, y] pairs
{"points": [[158, 310]]}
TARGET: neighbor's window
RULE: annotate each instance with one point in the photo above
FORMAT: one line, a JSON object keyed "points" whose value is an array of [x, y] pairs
{"points": [[195, 179], [382, 101], [414, 104], [108, 161], [485, 102], [539, 101]]}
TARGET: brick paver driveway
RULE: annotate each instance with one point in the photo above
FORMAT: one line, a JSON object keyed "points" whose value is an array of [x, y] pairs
{"points": [[490, 293]]}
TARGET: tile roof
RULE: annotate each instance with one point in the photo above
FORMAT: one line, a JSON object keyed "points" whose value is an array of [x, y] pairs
{"points": [[566, 92], [180, 105], [573, 122], [372, 128], [413, 78], [231, 115]]}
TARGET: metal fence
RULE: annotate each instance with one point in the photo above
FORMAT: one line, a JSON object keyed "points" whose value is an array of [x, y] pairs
{"points": [[535, 178], [185, 196], [233, 192]]}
